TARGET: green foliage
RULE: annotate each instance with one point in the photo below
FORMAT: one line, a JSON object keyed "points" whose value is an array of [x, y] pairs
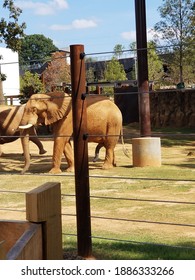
{"points": [[36, 49], [118, 49], [155, 65], [30, 84], [175, 29], [11, 31], [90, 77], [114, 72]]}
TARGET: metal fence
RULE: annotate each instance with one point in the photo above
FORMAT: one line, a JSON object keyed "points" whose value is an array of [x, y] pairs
{"points": [[84, 175]]}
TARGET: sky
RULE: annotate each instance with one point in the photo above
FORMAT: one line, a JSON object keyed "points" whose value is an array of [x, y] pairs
{"points": [[97, 24]]}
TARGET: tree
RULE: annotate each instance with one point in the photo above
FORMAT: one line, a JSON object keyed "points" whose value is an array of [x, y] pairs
{"points": [[11, 33], [35, 50], [118, 49], [90, 77], [57, 71], [174, 29], [155, 64], [29, 84], [114, 72], [190, 51]]}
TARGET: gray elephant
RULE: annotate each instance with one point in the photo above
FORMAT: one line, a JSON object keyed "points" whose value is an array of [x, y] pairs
{"points": [[104, 119], [10, 118]]}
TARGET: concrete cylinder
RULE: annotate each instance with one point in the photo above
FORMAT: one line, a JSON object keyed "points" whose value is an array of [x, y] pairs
{"points": [[146, 151]]}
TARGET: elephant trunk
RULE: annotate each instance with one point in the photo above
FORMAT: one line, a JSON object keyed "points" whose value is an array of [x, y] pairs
{"points": [[25, 146]]}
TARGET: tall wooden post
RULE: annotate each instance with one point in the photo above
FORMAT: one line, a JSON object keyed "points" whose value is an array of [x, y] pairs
{"points": [[80, 150], [145, 150], [142, 60]]}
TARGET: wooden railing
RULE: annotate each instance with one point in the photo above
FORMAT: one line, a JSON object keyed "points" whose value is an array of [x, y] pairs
{"points": [[40, 237]]}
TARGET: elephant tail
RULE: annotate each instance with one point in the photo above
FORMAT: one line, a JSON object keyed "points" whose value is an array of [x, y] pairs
{"points": [[125, 150]]}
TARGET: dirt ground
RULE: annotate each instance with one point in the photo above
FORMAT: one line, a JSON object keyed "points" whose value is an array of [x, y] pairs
{"points": [[12, 159]]}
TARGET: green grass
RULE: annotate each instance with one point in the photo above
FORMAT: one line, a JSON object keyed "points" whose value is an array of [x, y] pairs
{"points": [[173, 181], [118, 250]]}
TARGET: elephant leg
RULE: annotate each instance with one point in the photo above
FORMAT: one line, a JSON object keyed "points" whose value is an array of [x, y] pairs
{"points": [[109, 161], [58, 148], [68, 153], [97, 150], [26, 151], [37, 142]]}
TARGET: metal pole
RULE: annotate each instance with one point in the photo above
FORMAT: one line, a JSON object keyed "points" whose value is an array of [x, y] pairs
{"points": [[80, 151], [143, 85]]}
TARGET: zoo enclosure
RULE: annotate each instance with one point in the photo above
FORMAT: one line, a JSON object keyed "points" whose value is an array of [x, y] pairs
{"points": [[187, 225]]}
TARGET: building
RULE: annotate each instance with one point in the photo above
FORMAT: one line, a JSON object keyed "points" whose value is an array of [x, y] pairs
{"points": [[100, 66], [9, 66]]}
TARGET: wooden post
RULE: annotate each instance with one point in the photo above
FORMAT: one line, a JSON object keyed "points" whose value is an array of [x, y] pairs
{"points": [[80, 150], [143, 85], [43, 205]]}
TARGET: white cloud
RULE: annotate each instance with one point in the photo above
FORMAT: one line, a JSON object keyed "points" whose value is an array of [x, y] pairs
{"points": [[83, 23], [43, 8], [62, 4], [131, 35], [76, 24]]}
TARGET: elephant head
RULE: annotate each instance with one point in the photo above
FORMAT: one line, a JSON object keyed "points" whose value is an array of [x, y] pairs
{"points": [[45, 108]]}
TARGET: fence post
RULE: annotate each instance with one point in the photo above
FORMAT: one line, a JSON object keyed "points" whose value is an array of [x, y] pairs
{"points": [[145, 150], [142, 60], [43, 205], [80, 150]]}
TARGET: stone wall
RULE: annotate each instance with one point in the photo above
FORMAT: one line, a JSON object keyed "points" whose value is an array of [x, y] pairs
{"points": [[174, 108], [168, 108]]}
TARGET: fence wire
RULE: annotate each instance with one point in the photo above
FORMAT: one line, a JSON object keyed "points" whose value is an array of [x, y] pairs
{"points": [[125, 220], [116, 83]]}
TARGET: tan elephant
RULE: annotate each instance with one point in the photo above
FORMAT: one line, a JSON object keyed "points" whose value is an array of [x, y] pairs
{"points": [[10, 118], [104, 119]]}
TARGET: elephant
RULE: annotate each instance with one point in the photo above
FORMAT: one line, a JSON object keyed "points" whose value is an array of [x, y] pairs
{"points": [[10, 118], [104, 119], [97, 151]]}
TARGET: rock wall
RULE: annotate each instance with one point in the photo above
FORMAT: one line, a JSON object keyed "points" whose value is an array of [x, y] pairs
{"points": [[168, 108], [172, 108]]}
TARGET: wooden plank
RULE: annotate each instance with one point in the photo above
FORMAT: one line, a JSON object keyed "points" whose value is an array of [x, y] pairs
{"points": [[2, 251], [43, 204], [29, 245]]}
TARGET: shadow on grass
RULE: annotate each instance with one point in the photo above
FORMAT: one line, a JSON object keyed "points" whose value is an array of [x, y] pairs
{"points": [[114, 250], [169, 142]]}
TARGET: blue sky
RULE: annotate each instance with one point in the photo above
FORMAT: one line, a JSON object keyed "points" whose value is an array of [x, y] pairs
{"points": [[97, 24]]}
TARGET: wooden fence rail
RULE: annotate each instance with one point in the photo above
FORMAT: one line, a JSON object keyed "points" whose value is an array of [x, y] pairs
{"points": [[40, 237]]}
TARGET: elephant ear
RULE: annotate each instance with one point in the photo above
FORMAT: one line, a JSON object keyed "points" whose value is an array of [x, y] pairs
{"points": [[58, 106]]}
